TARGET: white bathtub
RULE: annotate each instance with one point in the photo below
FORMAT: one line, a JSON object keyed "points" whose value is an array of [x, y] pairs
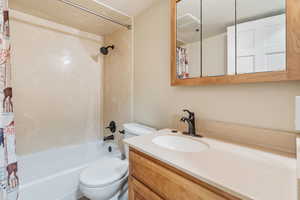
{"points": [[54, 174]]}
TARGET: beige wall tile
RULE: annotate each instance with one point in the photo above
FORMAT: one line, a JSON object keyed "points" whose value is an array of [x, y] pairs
{"points": [[118, 79], [57, 80]]}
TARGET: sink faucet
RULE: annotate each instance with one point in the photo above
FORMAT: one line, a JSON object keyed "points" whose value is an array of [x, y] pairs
{"points": [[191, 123]]}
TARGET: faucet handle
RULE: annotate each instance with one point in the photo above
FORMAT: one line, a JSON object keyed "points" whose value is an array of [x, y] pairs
{"points": [[191, 114], [112, 127], [184, 119]]}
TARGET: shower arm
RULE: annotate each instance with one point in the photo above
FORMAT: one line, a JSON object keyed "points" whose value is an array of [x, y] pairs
{"points": [[94, 13]]}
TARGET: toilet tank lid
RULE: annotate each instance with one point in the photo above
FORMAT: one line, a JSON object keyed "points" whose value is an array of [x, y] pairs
{"points": [[138, 129]]}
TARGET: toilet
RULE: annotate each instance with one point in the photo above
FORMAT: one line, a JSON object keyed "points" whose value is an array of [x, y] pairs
{"points": [[103, 179]]}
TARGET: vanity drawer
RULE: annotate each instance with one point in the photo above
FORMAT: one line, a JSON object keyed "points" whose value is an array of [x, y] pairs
{"points": [[170, 183], [139, 191]]}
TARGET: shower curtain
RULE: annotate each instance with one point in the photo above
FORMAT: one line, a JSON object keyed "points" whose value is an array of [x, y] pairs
{"points": [[9, 180], [182, 63]]}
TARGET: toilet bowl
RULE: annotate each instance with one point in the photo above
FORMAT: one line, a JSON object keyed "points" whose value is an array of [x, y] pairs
{"points": [[105, 178]]}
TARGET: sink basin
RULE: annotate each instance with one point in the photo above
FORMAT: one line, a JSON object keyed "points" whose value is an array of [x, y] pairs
{"points": [[179, 143]]}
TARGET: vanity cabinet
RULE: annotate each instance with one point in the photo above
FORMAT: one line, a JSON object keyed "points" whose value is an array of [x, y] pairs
{"points": [[151, 179]]}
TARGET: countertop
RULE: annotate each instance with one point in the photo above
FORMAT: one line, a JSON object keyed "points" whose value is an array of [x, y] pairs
{"points": [[243, 172]]}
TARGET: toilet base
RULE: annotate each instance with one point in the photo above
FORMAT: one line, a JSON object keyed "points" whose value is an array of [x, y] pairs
{"points": [[124, 197]]}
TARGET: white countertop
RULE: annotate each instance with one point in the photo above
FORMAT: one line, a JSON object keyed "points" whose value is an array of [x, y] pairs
{"points": [[244, 172]]}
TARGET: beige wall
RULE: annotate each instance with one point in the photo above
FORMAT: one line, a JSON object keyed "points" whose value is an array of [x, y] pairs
{"points": [[118, 79], [268, 105], [57, 80]]}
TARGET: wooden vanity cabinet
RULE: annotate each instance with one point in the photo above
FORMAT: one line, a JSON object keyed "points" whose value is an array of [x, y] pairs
{"points": [[151, 179]]}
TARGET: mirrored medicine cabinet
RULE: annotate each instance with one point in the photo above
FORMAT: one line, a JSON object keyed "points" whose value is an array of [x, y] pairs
{"points": [[234, 41]]}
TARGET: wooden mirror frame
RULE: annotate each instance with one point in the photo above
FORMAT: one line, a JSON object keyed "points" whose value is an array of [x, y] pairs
{"points": [[292, 55]]}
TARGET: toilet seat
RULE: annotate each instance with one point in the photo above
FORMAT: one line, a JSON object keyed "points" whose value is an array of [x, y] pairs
{"points": [[104, 172]]}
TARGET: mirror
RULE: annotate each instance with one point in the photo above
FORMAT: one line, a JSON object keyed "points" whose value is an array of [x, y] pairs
{"points": [[188, 41], [234, 41], [261, 37], [214, 36]]}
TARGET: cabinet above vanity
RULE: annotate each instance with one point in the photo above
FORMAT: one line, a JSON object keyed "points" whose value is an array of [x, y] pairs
{"points": [[245, 41]]}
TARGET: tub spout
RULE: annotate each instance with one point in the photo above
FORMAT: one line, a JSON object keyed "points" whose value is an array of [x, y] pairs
{"points": [[110, 137]]}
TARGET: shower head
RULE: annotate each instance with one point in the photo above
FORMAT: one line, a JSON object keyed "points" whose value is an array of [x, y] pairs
{"points": [[104, 50]]}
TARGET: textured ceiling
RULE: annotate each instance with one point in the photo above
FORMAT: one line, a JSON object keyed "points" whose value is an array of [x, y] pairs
{"points": [[61, 13]]}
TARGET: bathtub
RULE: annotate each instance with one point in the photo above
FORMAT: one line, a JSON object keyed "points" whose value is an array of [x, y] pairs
{"points": [[54, 174]]}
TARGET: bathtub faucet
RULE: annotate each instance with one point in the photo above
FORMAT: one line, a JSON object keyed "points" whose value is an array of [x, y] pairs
{"points": [[112, 127], [110, 137]]}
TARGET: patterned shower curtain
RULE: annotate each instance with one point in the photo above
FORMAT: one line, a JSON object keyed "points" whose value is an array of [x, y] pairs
{"points": [[182, 63], [9, 180]]}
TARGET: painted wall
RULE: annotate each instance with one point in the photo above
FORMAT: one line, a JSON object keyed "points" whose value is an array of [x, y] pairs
{"points": [[57, 81], [118, 79], [267, 105]]}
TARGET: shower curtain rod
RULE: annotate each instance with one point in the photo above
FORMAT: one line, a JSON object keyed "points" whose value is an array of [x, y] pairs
{"points": [[96, 14]]}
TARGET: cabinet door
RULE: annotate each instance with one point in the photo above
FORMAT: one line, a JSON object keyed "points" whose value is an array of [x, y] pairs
{"points": [[138, 191]]}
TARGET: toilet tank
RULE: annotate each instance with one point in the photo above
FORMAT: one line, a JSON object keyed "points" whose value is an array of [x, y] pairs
{"points": [[132, 130], [135, 129]]}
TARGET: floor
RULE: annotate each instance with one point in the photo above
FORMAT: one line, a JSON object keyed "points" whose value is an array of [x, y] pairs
{"points": [[124, 198]]}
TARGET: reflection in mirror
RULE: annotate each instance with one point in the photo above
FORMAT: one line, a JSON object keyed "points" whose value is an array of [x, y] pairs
{"points": [[261, 36], [217, 16], [188, 39]]}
